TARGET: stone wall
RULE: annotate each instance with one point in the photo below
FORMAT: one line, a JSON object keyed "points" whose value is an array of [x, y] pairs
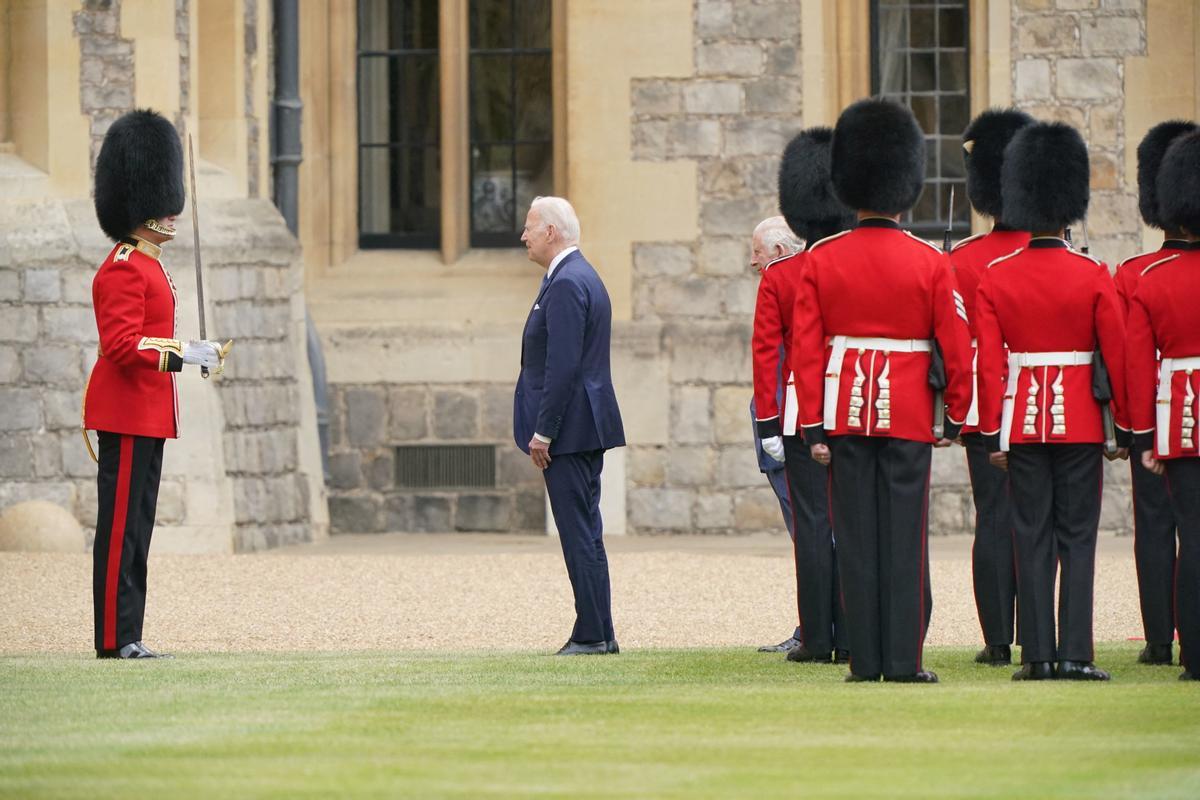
{"points": [[1069, 60], [106, 89], [733, 118], [368, 421]]}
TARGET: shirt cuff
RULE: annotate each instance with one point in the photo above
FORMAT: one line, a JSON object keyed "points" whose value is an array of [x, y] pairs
{"points": [[768, 428], [542, 439]]}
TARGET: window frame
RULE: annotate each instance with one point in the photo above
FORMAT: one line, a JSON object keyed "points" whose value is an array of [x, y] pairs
{"points": [[961, 225]]}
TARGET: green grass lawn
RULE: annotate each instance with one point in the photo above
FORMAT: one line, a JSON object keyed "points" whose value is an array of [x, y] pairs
{"points": [[704, 723]]}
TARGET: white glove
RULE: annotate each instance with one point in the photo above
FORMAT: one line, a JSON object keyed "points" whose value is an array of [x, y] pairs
{"points": [[202, 354], [773, 446]]}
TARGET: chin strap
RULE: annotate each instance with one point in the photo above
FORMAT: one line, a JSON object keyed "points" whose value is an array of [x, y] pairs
{"points": [[159, 228]]}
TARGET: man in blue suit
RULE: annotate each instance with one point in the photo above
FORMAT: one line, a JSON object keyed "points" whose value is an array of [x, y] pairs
{"points": [[565, 411]]}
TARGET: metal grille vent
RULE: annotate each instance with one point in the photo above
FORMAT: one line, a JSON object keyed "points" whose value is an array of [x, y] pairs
{"points": [[446, 466]]}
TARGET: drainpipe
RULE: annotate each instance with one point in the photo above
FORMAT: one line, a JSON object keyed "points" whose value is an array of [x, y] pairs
{"points": [[286, 154]]}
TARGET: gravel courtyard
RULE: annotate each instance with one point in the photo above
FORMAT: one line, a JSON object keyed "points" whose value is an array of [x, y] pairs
{"points": [[476, 592]]}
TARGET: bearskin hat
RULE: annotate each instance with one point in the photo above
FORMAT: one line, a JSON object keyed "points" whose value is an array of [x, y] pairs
{"points": [[983, 154], [1044, 178], [1149, 157], [878, 157], [1178, 185], [139, 173], [806, 197]]}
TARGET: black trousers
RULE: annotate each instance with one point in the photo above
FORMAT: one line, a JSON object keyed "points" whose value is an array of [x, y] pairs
{"points": [[818, 593], [1183, 480], [992, 565], [1153, 551], [1056, 491], [880, 502], [127, 484], [573, 483]]}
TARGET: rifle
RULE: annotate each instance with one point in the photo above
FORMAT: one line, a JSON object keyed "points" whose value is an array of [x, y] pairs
{"points": [[1101, 386], [937, 362]]}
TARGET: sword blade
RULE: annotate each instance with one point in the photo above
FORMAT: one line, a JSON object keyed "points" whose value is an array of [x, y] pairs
{"points": [[196, 238]]}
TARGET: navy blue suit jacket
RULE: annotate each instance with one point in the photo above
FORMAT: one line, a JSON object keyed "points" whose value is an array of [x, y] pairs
{"points": [[565, 389]]}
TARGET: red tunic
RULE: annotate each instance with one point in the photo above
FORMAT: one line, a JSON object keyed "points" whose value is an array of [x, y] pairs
{"points": [[772, 331], [1129, 270], [1042, 302], [970, 259], [1163, 322], [882, 283], [132, 387]]}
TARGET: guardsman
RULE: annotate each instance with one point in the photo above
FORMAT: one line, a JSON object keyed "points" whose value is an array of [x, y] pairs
{"points": [[1154, 527], [1164, 378], [870, 304], [995, 577], [130, 398], [812, 212], [1051, 307]]}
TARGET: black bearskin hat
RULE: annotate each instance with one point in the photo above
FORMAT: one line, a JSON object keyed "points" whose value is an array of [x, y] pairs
{"points": [[1149, 156], [983, 153], [878, 157], [1178, 185], [1044, 179], [139, 173], [806, 197]]}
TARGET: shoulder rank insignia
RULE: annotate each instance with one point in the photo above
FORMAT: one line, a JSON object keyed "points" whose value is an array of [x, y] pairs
{"points": [[123, 252]]}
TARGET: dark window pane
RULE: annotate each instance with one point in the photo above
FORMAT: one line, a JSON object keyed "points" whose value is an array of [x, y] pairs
{"points": [[398, 99], [953, 77], [926, 209], [952, 161], [955, 113], [534, 103], [492, 24], [922, 76], [893, 30], [952, 27], [893, 72], [533, 24], [962, 206], [492, 205], [491, 98], [535, 174], [376, 75], [399, 190], [921, 33], [388, 25], [931, 154], [925, 110]]}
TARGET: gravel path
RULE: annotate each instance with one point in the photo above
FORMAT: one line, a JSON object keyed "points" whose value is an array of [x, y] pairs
{"points": [[478, 593]]}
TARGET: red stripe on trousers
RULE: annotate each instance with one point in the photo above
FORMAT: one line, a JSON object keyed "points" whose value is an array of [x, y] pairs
{"points": [[116, 541], [921, 572]]}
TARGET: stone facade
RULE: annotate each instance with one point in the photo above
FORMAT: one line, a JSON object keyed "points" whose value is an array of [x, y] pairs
{"points": [[106, 88], [370, 420], [1069, 60]]}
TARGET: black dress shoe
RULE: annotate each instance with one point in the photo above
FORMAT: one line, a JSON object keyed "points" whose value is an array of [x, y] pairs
{"points": [[841, 656], [1034, 671], [1188, 675], [573, 648], [853, 678], [611, 647], [801, 655], [784, 646], [996, 655], [132, 650], [1155, 654], [924, 676], [1080, 671]]}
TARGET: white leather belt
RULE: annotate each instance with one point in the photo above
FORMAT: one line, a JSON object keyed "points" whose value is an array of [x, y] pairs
{"points": [[837, 355], [1162, 408], [1019, 361]]}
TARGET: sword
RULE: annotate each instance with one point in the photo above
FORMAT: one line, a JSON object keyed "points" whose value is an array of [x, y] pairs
{"points": [[196, 247]]}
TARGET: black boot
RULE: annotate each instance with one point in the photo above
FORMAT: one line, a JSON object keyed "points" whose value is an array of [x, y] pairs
{"points": [[1034, 671], [803, 655], [1080, 671], [1156, 654], [924, 676], [995, 655]]}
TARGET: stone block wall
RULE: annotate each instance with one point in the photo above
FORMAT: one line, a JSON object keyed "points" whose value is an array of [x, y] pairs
{"points": [[368, 421], [1069, 60]]}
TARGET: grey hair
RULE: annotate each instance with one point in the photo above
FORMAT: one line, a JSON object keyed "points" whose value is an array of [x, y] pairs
{"points": [[774, 231], [561, 214]]}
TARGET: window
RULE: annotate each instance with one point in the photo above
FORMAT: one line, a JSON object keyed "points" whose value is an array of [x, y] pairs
{"points": [[455, 120], [919, 57], [399, 135]]}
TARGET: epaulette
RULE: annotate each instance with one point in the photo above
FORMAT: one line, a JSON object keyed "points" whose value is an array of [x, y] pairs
{"points": [[1160, 261], [1016, 252], [967, 240], [925, 242], [826, 239], [1131, 258], [123, 252], [1088, 256], [780, 260]]}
